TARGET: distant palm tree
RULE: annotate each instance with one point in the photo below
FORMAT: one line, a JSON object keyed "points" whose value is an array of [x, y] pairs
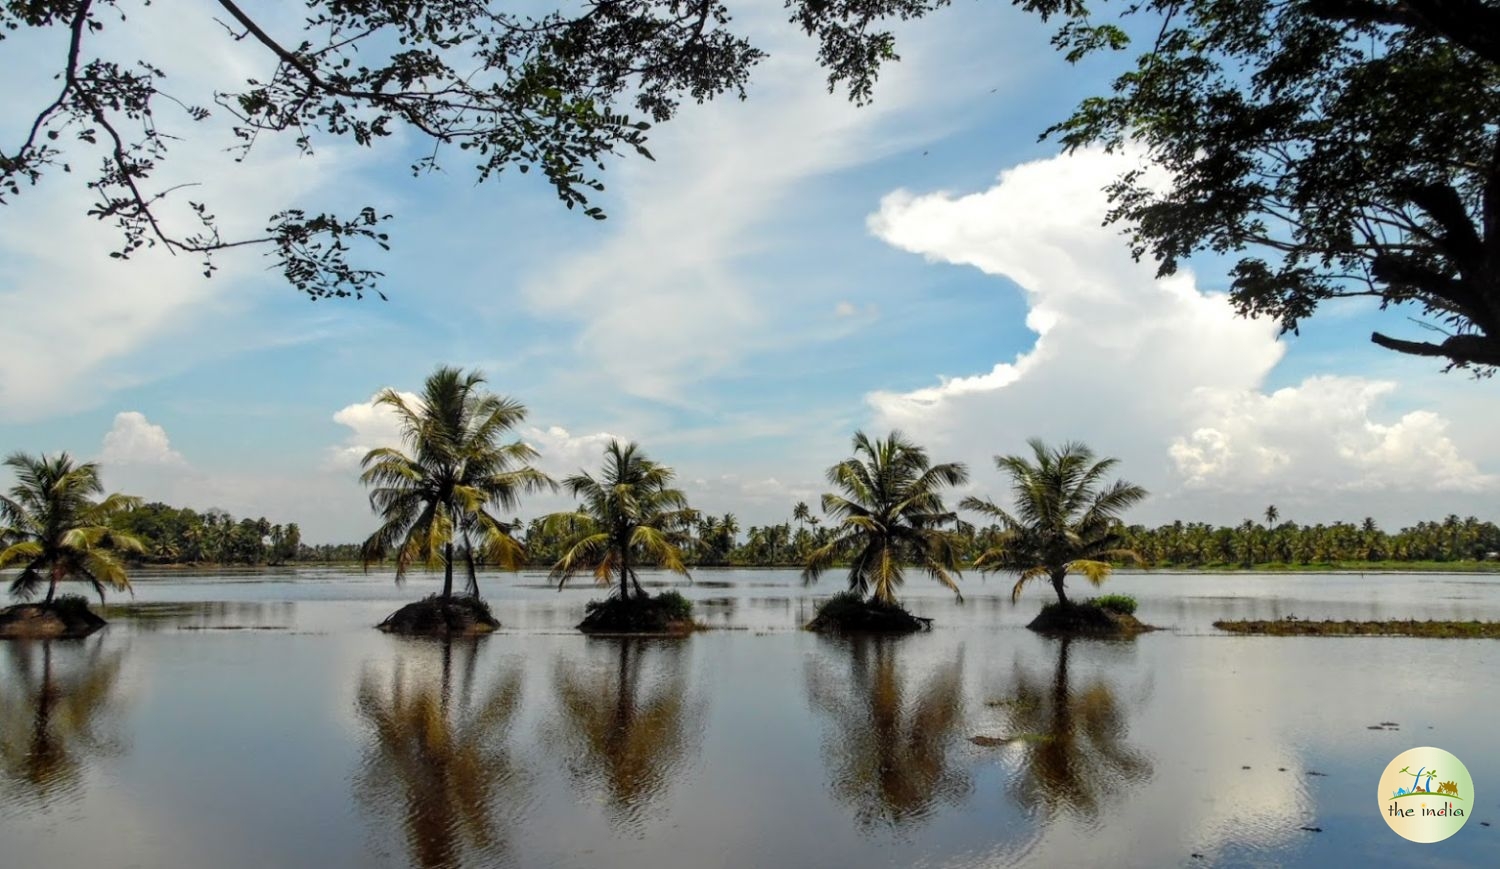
{"points": [[57, 531], [800, 513], [890, 515], [442, 491], [1066, 522], [1272, 514], [629, 515]]}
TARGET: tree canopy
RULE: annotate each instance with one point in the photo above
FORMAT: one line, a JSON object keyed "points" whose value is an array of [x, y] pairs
{"points": [[628, 516], [890, 515], [508, 85], [457, 471], [59, 531], [1065, 520], [1332, 148]]}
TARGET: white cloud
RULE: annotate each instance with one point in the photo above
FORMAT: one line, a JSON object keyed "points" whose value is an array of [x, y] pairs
{"points": [[1157, 372], [563, 453], [671, 298], [371, 426], [135, 440], [1320, 435]]}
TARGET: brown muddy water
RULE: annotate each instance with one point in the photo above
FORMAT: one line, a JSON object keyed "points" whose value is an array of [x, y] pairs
{"points": [[259, 721]]}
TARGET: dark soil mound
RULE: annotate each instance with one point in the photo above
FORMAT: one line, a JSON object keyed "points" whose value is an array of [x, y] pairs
{"points": [[666, 613], [849, 613], [1086, 620], [436, 617], [66, 617]]}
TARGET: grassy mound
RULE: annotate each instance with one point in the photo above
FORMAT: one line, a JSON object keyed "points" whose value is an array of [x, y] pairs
{"points": [[1293, 627], [435, 617], [66, 617], [666, 613], [850, 613], [1089, 619]]}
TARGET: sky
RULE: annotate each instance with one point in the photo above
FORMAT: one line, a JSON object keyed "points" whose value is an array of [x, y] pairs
{"points": [[790, 269]]}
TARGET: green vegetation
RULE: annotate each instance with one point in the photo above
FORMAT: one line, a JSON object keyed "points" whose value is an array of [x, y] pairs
{"points": [[1293, 627], [1066, 521], [55, 530], [1115, 603], [628, 517], [1339, 546], [890, 515], [1287, 140], [170, 535], [442, 492]]}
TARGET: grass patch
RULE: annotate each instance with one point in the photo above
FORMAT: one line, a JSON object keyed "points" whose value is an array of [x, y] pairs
{"points": [[1123, 604], [849, 612], [665, 613], [1293, 627]]}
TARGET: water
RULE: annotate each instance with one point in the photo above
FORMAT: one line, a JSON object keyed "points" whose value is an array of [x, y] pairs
{"points": [[260, 721]]}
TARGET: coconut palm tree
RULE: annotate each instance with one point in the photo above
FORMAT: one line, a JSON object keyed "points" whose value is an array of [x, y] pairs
{"points": [[627, 516], [56, 530], [1066, 520], [442, 491], [890, 515]]}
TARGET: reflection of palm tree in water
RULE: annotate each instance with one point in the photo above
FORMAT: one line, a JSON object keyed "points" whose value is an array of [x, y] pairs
{"points": [[1076, 758], [53, 715], [439, 757], [889, 752], [618, 734]]}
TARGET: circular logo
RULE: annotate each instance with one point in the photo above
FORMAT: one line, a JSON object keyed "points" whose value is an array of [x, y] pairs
{"points": [[1425, 794]]}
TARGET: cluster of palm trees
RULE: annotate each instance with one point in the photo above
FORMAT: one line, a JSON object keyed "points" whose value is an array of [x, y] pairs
{"points": [[437, 496], [1198, 544], [889, 514], [441, 497], [174, 535]]}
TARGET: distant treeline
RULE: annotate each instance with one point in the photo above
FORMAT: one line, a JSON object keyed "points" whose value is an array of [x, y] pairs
{"points": [[173, 535], [717, 541], [183, 536]]}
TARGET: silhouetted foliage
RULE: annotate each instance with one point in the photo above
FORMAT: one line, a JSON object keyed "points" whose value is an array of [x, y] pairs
{"points": [[556, 91], [1335, 148]]}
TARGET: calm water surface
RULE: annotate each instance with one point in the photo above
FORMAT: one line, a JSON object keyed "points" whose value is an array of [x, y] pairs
{"points": [[260, 722]]}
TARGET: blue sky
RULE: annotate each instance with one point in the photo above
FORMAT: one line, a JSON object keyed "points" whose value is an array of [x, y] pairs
{"points": [[791, 268]]}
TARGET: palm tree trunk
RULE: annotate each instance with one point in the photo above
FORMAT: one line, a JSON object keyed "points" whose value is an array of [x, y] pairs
{"points": [[625, 571], [448, 571], [1058, 576], [51, 588]]}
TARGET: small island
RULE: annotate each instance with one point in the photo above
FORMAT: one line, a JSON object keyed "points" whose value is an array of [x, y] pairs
{"points": [[57, 532]]}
